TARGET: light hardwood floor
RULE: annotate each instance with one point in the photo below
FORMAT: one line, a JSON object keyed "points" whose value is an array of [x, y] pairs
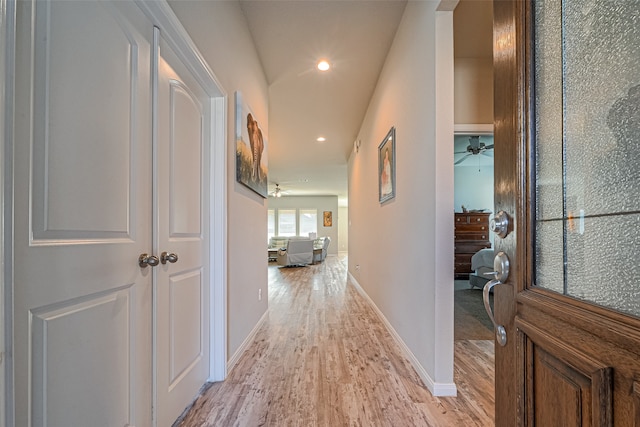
{"points": [[324, 358]]}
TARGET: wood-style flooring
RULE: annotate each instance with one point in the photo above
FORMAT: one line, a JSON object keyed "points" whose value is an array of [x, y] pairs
{"points": [[324, 358]]}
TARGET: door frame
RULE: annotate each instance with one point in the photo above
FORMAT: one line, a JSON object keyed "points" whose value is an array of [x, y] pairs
{"points": [[161, 15], [7, 62], [511, 138]]}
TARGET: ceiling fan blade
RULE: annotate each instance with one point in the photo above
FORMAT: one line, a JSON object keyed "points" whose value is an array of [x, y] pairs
{"points": [[460, 152], [488, 147], [462, 159]]}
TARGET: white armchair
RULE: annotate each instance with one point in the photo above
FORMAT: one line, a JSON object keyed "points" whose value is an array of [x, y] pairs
{"points": [[320, 250], [298, 252]]}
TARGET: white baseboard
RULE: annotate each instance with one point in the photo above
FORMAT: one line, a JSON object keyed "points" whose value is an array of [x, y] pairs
{"points": [[246, 343], [437, 389]]}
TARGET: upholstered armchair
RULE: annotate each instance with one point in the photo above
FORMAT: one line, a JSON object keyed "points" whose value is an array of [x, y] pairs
{"points": [[320, 251], [298, 252]]}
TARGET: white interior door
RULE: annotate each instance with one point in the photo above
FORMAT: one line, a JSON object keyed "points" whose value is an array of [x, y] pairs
{"points": [[182, 203], [82, 304]]}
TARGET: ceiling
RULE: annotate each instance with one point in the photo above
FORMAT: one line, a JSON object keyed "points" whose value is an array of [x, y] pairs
{"points": [[305, 103]]}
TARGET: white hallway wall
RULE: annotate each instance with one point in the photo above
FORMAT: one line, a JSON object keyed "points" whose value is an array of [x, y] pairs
{"points": [[404, 249], [343, 229], [220, 31]]}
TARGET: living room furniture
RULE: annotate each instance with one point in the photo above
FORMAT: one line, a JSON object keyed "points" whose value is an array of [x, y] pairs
{"points": [[320, 249], [275, 244], [471, 235], [481, 263], [298, 252]]}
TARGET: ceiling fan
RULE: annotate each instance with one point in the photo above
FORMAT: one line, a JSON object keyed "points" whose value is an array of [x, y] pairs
{"points": [[475, 147], [278, 192]]}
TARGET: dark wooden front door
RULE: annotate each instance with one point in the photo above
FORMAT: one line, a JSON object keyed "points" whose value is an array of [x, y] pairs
{"points": [[567, 162]]}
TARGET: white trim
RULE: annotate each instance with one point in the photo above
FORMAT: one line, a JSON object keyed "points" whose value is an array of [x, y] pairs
{"points": [[218, 244], [161, 15], [7, 69], [247, 342], [437, 389], [442, 316], [473, 129]]}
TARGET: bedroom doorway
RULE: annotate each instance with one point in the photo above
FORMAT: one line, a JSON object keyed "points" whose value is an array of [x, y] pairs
{"points": [[473, 204], [473, 152]]}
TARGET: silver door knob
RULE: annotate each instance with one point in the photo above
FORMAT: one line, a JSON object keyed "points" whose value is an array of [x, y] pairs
{"points": [[145, 260], [168, 257]]}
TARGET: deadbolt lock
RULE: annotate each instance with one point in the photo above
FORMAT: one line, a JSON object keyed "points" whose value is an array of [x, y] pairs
{"points": [[499, 224]]}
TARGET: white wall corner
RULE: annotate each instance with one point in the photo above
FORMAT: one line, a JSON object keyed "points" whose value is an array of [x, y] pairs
{"points": [[444, 236], [447, 5], [436, 388]]}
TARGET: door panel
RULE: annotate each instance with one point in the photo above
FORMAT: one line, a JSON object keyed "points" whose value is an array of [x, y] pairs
{"points": [[106, 150], [566, 114], [182, 304], [82, 304], [99, 334], [554, 369]]}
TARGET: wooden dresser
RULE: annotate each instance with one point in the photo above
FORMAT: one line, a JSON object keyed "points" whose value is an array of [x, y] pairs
{"points": [[471, 235]]}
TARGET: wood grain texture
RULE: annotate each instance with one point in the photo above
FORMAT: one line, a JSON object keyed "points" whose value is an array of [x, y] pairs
{"points": [[324, 358]]}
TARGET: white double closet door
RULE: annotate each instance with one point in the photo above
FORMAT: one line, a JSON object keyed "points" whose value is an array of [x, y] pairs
{"points": [[111, 161]]}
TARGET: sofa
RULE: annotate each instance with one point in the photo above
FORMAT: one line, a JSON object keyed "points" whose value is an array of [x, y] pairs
{"points": [[297, 252], [278, 242]]}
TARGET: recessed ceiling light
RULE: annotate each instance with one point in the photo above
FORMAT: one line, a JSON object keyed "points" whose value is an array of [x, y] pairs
{"points": [[323, 65], [321, 139]]}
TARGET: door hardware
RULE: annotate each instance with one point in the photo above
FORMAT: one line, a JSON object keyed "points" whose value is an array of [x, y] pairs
{"points": [[499, 224], [168, 257], [501, 273], [145, 260]]}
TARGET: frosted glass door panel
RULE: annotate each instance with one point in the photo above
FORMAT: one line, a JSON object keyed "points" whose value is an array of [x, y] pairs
{"points": [[587, 139]]}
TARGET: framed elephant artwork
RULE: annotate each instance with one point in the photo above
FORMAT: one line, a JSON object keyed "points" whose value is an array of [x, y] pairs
{"points": [[251, 149]]}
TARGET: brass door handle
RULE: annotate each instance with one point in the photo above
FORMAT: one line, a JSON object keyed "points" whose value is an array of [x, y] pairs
{"points": [[168, 257], [145, 260]]}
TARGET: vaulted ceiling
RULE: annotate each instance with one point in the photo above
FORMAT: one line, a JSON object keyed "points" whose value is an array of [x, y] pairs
{"points": [[354, 36]]}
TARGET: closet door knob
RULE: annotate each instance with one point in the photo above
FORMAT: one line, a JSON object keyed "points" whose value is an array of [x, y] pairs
{"points": [[168, 257], [145, 260]]}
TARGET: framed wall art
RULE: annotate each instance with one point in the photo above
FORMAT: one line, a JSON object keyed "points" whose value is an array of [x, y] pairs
{"points": [[327, 219], [251, 150], [387, 167]]}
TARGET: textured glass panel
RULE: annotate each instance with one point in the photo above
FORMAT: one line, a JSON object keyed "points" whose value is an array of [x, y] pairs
{"points": [[550, 255], [587, 136], [548, 104], [602, 104], [603, 263]]}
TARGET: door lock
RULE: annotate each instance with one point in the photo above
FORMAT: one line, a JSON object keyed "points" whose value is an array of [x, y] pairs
{"points": [[499, 224], [145, 260]]}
